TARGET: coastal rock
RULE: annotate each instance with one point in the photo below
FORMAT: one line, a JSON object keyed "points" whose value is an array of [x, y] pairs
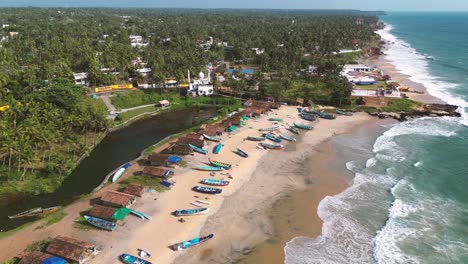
{"points": [[432, 110]]}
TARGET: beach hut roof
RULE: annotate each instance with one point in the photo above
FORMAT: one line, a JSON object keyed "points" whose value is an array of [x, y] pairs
{"points": [[181, 150], [134, 189], [196, 142], [154, 171], [118, 198], [35, 258], [158, 159], [70, 249], [194, 135], [103, 212]]}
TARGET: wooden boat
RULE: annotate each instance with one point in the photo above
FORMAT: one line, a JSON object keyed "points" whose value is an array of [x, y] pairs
{"points": [[241, 153], [342, 112], [275, 119], [199, 150], [35, 212], [129, 259], [203, 202], [255, 138], [210, 138], [220, 164], [197, 204], [270, 146], [272, 138], [287, 138], [308, 117], [140, 214], [218, 148], [269, 128], [311, 112], [196, 211], [101, 223], [209, 168], [326, 116], [293, 130], [215, 182], [207, 190], [301, 126], [191, 243]]}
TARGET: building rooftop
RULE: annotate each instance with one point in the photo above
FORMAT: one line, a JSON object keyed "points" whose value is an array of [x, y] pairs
{"points": [[118, 198]]}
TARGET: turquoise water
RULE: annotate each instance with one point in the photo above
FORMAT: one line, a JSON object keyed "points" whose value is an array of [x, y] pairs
{"points": [[408, 202]]}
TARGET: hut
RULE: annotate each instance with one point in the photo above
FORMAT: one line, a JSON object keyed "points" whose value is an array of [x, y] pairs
{"points": [[135, 189], [117, 199], [157, 172], [157, 159], [299, 101], [74, 251], [36, 258], [103, 212], [196, 142], [181, 150], [194, 135]]}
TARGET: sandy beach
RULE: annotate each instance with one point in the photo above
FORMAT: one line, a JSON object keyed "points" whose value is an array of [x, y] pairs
{"points": [[241, 197]]}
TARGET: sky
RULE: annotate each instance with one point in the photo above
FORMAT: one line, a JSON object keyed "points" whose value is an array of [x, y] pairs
{"points": [[384, 5]]}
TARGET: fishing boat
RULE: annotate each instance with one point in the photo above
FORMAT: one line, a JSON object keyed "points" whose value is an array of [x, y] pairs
{"points": [[342, 112], [270, 146], [199, 150], [191, 243], [269, 128], [311, 112], [241, 153], [293, 130], [140, 214], [129, 259], [308, 117], [218, 148], [275, 119], [101, 223], [144, 253], [197, 204], [272, 138], [208, 190], [203, 202], [210, 138], [35, 212], [287, 138], [196, 211], [326, 116], [220, 164], [120, 172], [301, 126], [209, 168], [255, 138], [215, 182]]}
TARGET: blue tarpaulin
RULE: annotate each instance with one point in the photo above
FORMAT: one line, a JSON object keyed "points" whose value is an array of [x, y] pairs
{"points": [[174, 159], [54, 260]]}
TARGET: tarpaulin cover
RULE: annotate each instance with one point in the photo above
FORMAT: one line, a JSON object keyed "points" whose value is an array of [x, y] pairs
{"points": [[245, 118], [121, 213], [242, 123], [174, 159], [232, 128], [54, 260]]}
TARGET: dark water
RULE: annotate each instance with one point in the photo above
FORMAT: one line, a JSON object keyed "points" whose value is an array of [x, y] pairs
{"points": [[117, 148]]}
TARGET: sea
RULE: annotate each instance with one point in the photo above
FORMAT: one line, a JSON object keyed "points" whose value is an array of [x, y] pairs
{"points": [[408, 199]]}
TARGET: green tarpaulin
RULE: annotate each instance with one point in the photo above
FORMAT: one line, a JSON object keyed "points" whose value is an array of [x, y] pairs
{"points": [[232, 128], [245, 118], [121, 213], [242, 123]]}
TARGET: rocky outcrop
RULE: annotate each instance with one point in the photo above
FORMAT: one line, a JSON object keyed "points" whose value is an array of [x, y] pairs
{"points": [[433, 110]]}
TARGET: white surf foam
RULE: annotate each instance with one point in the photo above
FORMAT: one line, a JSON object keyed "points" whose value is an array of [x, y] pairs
{"points": [[408, 61]]}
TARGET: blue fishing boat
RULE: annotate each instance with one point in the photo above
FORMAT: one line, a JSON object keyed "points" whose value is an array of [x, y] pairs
{"points": [[293, 130], [241, 153], [255, 138], [210, 138], [326, 116], [342, 112], [140, 214], [218, 148], [207, 190], [129, 259], [270, 146], [101, 223], [209, 168], [215, 182], [191, 243], [301, 126], [199, 150], [308, 117], [272, 138], [287, 138], [223, 165], [188, 212]]}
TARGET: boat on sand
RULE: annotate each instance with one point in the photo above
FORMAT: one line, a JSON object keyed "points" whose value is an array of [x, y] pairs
{"points": [[209, 168], [215, 182], [35, 212], [101, 223], [210, 138], [207, 190], [129, 259], [220, 164], [241, 153], [199, 150], [191, 243], [301, 126], [188, 212], [256, 138]]}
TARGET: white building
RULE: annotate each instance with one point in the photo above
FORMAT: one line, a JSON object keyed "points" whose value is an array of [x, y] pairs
{"points": [[356, 68], [202, 85], [81, 78], [145, 71], [137, 41], [258, 51]]}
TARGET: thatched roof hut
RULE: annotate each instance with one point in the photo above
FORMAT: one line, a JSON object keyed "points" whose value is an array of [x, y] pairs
{"points": [[181, 150], [135, 189], [196, 142], [103, 212], [74, 251], [299, 101], [35, 258], [157, 159], [157, 172], [194, 135], [117, 199]]}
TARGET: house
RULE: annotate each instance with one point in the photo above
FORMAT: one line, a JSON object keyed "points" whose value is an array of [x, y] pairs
{"points": [[35, 258], [81, 78], [117, 199], [258, 51], [356, 68], [202, 85], [185, 141], [175, 149], [311, 69], [144, 71], [74, 251], [157, 172], [103, 212], [164, 103], [157, 159], [135, 189], [194, 135], [299, 101]]}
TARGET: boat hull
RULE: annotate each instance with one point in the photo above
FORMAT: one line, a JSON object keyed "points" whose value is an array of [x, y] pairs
{"points": [[191, 243], [207, 190], [129, 259], [209, 168], [215, 182], [101, 223], [215, 139], [241, 153], [199, 150], [220, 164], [218, 148], [255, 138], [189, 212]]}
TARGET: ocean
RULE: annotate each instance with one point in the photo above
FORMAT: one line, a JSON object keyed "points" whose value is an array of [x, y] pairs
{"points": [[408, 201]]}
